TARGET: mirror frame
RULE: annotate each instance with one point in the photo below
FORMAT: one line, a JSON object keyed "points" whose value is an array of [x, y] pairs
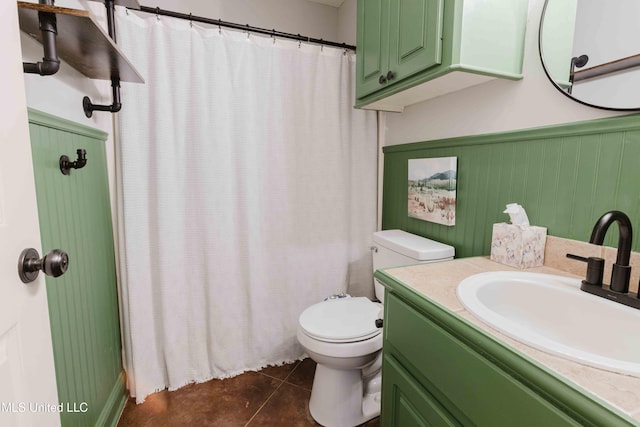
{"points": [[558, 88]]}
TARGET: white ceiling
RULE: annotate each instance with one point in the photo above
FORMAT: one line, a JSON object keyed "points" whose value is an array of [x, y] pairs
{"points": [[334, 3]]}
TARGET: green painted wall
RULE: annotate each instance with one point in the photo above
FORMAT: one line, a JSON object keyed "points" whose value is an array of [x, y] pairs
{"points": [[565, 176], [75, 216]]}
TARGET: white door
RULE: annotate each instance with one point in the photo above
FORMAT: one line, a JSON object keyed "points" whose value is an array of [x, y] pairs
{"points": [[28, 395]]}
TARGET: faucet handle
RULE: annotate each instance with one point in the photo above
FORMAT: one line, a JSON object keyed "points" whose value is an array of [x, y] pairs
{"points": [[620, 275], [595, 269]]}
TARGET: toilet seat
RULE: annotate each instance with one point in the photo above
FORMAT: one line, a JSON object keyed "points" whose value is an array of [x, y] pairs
{"points": [[341, 320]]}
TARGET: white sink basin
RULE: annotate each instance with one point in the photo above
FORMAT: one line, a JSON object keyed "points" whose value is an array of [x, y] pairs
{"points": [[552, 314]]}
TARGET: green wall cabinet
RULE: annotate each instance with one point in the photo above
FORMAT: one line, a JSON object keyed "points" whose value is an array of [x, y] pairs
{"points": [[440, 370], [412, 50], [412, 27], [75, 215]]}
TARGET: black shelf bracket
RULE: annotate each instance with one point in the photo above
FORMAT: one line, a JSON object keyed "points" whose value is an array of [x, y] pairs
{"points": [[116, 105], [50, 63]]}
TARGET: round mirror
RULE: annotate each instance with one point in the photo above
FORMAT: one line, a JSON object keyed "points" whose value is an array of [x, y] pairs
{"points": [[590, 51]]}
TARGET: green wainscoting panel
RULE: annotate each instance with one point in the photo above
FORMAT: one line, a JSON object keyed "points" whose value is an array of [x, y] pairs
{"points": [[75, 216], [565, 176]]}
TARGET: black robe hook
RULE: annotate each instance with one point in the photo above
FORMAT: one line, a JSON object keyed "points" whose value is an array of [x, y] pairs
{"points": [[66, 165]]}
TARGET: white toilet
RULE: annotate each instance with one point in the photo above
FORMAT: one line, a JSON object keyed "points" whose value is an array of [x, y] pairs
{"points": [[341, 335]]}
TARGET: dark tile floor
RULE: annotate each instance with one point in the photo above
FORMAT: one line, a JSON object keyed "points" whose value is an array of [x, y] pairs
{"points": [[276, 396]]}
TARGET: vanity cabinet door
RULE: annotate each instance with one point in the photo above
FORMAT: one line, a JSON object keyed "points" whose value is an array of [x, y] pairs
{"points": [[415, 37], [470, 386], [406, 403]]}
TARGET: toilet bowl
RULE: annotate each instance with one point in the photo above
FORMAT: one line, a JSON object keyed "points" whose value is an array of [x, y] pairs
{"points": [[342, 336]]}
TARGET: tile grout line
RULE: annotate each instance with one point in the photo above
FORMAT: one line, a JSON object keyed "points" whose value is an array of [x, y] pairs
{"points": [[264, 403], [271, 395], [291, 373]]}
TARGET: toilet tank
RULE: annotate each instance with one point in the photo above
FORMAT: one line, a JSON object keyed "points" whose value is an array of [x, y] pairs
{"points": [[397, 248]]}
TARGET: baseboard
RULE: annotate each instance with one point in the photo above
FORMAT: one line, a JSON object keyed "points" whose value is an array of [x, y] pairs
{"points": [[114, 405]]}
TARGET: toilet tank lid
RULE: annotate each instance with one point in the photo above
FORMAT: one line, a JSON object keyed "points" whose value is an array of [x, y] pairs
{"points": [[416, 247]]}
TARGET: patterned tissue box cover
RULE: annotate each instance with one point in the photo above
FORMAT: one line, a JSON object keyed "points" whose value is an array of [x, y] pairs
{"points": [[518, 246]]}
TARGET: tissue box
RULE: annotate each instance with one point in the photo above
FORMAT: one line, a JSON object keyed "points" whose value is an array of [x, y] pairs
{"points": [[518, 246]]}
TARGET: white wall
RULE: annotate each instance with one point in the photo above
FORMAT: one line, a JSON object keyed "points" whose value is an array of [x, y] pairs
{"points": [[499, 105], [347, 18], [291, 16]]}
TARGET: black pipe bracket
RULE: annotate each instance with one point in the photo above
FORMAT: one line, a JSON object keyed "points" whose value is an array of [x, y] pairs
{"points": [[88, 106]]}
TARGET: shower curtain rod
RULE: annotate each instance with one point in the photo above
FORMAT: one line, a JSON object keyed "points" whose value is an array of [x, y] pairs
{"points": [[221, 23]]}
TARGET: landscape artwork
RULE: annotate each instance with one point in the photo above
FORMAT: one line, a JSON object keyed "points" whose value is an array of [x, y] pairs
{"points": [[432, 189]]}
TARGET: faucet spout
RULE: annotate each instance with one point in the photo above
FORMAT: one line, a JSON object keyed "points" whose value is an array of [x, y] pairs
{"points": [[621, 269]]}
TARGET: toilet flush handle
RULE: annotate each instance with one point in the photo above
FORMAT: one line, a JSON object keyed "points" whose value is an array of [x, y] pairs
{"points": [[379, 320]]}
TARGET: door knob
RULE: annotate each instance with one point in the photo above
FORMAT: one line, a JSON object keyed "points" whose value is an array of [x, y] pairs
{"points": [[54, 264]]}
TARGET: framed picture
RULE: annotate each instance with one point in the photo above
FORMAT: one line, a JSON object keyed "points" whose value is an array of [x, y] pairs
{"points": [[432, 189]]}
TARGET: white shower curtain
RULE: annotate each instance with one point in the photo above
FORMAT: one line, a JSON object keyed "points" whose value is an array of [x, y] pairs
{"points": [[246, 193]]}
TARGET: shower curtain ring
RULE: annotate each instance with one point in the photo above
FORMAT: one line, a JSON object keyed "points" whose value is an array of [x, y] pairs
{"points": [[190, 20], [158, 13], [219, 27], [248, 33]]}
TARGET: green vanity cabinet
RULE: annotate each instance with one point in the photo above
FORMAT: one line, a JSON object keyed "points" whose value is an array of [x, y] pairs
{"points": [[412, 50], [440, 370]]}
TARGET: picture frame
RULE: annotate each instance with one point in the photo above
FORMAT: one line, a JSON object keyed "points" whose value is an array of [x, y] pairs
{"points": [[431, 189]]}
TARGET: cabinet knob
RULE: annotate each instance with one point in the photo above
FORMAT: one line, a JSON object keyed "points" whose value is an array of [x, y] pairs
{"points": [[390, 75], [382, 80]]}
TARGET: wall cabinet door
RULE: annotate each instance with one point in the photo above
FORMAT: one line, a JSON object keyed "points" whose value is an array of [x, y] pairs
{"points": [[415, 37], [373, 45], [405, 47], [396, 39]]}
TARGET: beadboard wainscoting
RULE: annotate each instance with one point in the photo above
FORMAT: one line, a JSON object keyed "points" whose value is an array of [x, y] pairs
{"points": [[75, 216], [565, 176]]}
